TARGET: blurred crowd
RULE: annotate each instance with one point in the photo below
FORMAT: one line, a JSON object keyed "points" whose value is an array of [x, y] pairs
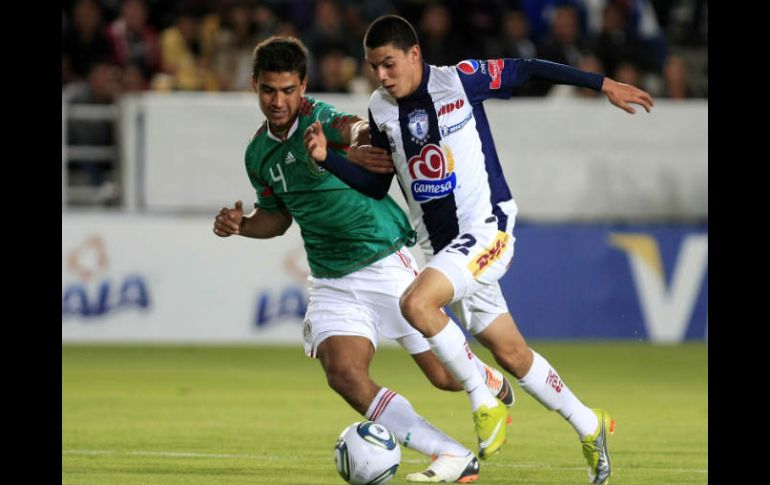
{"points": [[114, 47], [123, 46]]}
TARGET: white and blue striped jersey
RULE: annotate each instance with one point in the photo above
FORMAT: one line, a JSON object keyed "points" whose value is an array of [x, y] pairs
{"points": [[442, 148]]}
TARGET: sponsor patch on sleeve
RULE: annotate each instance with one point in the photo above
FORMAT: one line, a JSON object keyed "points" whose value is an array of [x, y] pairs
{"points": [[468, 66]]}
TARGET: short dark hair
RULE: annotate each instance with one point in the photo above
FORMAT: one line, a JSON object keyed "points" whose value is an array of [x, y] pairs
{"points": [[390, 29], [280, 54]]}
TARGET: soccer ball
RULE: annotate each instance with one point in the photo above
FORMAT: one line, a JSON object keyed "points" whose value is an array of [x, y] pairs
{"points": [[367, 453]]}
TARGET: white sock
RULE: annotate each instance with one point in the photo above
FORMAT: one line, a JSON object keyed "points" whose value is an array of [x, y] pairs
{"points": [[411, 430], [452, 350], [481, 367], [544, 384]]}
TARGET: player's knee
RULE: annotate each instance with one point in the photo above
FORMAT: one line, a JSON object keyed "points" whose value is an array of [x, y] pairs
{"points": [[343, 381], [413, 307]]}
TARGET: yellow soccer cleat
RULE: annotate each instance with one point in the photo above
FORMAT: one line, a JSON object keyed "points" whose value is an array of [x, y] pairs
{"points": [[595, 449], [490, 428]]}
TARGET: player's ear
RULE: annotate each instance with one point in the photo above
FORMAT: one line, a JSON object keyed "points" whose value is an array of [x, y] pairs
{"points": [[303, 87], [254, 83], [415, 54]]}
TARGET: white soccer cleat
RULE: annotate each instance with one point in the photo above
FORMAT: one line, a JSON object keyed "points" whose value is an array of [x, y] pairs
{"points": [[449, 468]]}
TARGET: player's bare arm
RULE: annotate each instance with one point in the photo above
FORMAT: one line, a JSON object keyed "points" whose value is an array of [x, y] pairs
{"points": [[622, 95], [260, 224]]}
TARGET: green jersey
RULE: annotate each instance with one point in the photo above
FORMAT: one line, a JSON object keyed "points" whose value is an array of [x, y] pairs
{"points": [[343, 230]]}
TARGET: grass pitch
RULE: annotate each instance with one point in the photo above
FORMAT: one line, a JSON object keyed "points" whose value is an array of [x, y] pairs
{"points": [[249, 415]]}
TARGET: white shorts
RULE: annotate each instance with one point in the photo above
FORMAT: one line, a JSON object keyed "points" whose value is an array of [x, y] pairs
{"points": [[477, 311], [364, 303], [474, 262]]}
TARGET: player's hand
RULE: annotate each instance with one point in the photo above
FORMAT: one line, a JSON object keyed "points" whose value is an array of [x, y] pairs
{"points": [[621, 95], [359, 134], [228, 221], [373, 159], [315, 142]]}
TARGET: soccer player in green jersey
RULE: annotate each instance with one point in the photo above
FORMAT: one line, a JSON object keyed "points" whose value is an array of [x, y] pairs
{"points": [[356, 249]]}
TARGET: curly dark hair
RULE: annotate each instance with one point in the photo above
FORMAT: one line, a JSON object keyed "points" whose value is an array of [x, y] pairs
{"points": [[280, 54]]}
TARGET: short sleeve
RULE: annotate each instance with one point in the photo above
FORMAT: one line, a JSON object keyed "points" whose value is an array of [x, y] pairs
{"points": [[334, 123]]}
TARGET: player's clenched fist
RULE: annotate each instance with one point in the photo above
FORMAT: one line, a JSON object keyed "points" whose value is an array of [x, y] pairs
{"points": [[228, 221]]}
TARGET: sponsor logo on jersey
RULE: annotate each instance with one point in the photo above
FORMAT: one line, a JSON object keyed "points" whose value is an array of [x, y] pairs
{"points": [[418, 126], [448, 108], [491, 254], [289, 158], [433, 178], [495, 72], [468, 66], [448, 130]]}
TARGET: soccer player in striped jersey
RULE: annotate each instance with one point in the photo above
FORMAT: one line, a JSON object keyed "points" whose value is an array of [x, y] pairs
{"points": [[356, 249], [432, 121]]}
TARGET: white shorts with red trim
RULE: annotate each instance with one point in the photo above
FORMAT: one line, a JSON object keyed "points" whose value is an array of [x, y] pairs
{"points": [[364, 303]]}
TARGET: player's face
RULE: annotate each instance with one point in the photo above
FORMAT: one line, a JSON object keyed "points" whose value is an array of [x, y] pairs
{"points": [[397, 71], [279, 97]]}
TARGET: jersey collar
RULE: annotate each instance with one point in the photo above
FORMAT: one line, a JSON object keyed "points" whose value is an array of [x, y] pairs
{"points": [[293, 128]]}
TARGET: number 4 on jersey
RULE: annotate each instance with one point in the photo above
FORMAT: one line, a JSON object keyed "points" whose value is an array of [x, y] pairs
{"points": [[279, 177]]}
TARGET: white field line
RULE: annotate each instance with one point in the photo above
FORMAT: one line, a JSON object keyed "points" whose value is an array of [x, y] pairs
{"points": [[185, 454]]}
